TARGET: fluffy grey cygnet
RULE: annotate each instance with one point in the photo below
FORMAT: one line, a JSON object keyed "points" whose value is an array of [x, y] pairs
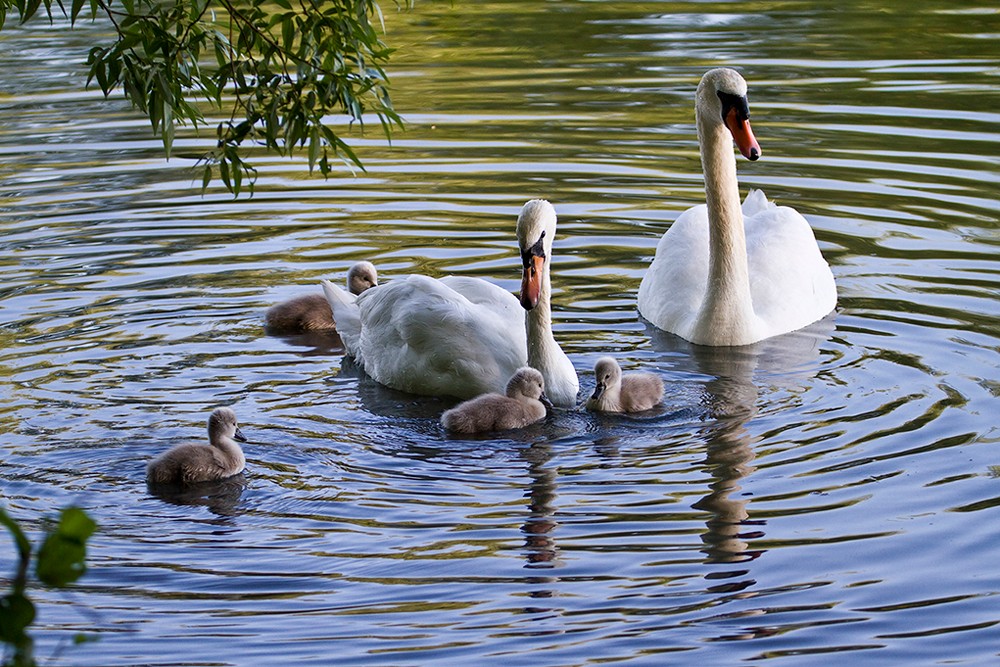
{"points": [[195, 462], [524, 404], [311, 312], [628, 392]]}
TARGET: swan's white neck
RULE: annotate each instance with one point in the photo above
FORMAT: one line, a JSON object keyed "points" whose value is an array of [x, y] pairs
{"points": [[544, 353], [727, 311], [542, 345]]}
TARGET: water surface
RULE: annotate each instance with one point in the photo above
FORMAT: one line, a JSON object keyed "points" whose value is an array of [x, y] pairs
{"points": [[833, 491]]}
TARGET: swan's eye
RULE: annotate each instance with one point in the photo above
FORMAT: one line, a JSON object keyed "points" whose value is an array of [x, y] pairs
{"points": [[536, 250], [731, 102]]}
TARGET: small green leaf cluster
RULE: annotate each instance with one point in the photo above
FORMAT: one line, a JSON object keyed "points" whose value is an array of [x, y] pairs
{"points": [[60, 561], [274, 69]]}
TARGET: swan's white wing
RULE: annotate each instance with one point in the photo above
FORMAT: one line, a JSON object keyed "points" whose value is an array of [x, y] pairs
{"points": [[791, 285], [484, 293], [346, 315], [421, 336], [674, 286]]}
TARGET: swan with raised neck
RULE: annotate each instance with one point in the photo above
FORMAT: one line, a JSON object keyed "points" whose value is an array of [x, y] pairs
{"points": [[726, 274], [461, 336], [536, 229]]}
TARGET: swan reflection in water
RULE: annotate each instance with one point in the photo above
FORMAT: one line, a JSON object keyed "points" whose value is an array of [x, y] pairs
{"points": [[730, 398], [729, 378], [541, 553], [539, 542]]}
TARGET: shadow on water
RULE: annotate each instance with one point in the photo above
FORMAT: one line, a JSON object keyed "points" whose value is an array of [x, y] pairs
{"points": [[316, 343], [540, 549], [539, 543], [390, 403], [221, 497]]}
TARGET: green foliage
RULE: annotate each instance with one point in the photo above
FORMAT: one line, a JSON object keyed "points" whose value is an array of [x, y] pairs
{"points": [[276, 68], [61, 557], [59, 562]]}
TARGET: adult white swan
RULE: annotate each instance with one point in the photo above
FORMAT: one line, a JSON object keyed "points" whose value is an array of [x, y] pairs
{"points": [[461, 336], [730, 275]]}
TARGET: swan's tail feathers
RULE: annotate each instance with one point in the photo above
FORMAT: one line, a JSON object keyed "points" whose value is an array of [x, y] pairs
{"points": [[346, 315], [756, 202]]}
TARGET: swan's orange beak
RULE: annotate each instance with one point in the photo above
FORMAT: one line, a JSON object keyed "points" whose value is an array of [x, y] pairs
{"points": [[742, 134], [531, 281]]}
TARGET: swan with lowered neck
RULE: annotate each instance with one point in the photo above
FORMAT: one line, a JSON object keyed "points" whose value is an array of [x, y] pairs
{"points": [[461, 336], [730, 275]]}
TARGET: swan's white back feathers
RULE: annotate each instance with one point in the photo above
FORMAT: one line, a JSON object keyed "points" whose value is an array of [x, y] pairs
{"points": [[790, 283], [422, 336]]}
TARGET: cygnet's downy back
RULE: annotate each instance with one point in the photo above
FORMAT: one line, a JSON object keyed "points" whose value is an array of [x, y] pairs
{"points": [[524, 404], [189, 463], [311, 312], [628, 392]]}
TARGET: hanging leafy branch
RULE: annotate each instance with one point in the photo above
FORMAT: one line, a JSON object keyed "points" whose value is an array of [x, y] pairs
{"points": [[273, 69]]}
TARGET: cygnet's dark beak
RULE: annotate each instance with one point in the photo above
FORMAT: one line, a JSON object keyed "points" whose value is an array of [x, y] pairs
{"points": [[546, 402], [598, 391], [239, 435]]}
